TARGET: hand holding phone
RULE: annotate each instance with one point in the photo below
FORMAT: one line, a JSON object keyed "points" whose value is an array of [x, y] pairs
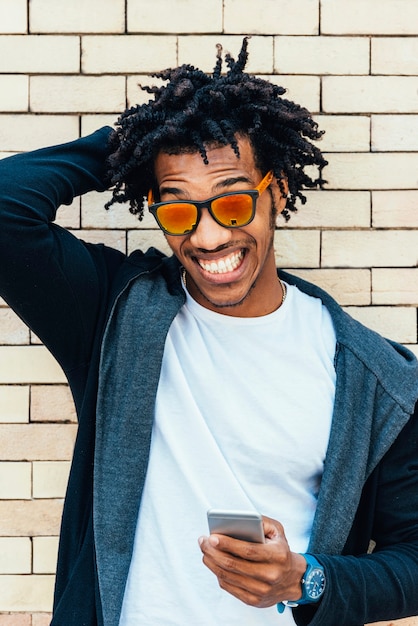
{"points": [[244, 525]]}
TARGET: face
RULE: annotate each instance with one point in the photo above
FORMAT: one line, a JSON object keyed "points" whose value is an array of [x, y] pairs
{"points": [[229, 270]]}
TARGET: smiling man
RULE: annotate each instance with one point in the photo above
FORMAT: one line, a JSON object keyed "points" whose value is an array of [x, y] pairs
{"points": [[208, 379], [230, 270]]}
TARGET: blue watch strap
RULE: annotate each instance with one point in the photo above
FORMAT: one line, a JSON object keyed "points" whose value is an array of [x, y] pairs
{"points": [[311, 562]]}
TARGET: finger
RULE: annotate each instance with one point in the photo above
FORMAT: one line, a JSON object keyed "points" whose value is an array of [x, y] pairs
{"points": [[275, 549], [245, 591], [273, 530], [223, 564]]}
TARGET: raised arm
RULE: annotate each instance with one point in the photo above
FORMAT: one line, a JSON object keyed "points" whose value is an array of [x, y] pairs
{"points": [[48, 276]]}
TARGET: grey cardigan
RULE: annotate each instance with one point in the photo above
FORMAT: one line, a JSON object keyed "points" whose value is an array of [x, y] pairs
{"points": [[377, 388]]}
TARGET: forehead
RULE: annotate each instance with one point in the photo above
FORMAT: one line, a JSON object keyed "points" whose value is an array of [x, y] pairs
{"points": [[189, 166]]}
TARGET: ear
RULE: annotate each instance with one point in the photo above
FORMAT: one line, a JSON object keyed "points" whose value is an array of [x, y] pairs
{"points": [[280, 189]]}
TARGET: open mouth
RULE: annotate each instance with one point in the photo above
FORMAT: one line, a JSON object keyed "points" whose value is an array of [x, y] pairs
{"points": [[223, 265]]}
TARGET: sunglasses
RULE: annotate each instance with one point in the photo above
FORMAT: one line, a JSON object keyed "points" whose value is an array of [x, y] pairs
{"points": [[233, 209]]}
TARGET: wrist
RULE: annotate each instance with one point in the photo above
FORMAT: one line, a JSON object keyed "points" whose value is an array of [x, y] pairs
{"points": [[312, 583]]}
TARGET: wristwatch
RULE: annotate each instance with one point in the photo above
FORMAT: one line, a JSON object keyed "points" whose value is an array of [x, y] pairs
{"points": [[313, 581], [313, 584]]}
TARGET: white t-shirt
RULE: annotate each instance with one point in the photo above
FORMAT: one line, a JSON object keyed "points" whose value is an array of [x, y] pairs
{"points": [[242, 421]]}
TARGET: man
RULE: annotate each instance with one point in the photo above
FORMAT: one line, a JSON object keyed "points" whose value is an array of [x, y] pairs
{"points": [[209, 380]]}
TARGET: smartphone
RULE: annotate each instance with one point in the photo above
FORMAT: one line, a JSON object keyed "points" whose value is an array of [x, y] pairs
{"points": [[244, 525]]}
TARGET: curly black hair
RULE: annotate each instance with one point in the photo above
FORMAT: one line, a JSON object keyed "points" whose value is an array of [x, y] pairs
{"points": [[195, 111]]}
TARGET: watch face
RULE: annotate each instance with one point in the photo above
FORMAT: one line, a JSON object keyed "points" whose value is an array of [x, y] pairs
{"points": [[315, 584]]}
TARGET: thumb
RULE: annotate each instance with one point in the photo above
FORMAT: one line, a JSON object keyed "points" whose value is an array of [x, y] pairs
{"points": [[273, 530]]}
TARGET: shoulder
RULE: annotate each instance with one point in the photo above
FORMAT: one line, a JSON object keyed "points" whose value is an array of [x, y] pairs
{"points": [[393, 364]]}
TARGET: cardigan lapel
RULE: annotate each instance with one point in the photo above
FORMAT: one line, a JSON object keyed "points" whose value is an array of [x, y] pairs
{"points": [[131, 359]]}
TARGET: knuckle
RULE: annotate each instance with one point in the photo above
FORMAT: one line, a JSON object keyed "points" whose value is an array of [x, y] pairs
{"points": [[221, 574], [229, 564], [271, 576], [250, 552]]}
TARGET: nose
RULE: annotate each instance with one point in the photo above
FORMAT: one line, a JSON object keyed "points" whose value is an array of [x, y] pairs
{"points": [[209, 235]]}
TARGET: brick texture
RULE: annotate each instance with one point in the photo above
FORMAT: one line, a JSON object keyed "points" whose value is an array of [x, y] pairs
{"points": [[191, 16], [78, 16], [69, 68], [13, 17]]}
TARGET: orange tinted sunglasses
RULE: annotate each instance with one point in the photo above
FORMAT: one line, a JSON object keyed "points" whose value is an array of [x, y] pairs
{"points": [[232, 209]]}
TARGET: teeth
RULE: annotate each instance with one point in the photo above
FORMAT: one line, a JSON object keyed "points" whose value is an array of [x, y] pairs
{"points": [[222, 266]]}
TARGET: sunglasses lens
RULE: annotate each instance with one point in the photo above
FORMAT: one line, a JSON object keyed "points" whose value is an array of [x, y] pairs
{"points": [[177, 219], [233, 210]]}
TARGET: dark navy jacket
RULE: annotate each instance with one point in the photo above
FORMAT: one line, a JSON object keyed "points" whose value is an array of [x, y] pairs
{"points": [[70, 293]]}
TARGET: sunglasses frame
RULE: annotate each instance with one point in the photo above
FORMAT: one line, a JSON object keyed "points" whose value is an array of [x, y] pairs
{"points": [[207, 204]]}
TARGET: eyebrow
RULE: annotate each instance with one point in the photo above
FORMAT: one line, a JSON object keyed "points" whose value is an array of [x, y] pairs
{"points": [[228, 182]]}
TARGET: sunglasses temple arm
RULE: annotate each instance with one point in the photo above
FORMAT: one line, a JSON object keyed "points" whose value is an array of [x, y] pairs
{"points": [[265, 182]]}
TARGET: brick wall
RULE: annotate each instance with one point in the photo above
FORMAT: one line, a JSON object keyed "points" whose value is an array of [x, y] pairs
{"points": [[67, 68]]}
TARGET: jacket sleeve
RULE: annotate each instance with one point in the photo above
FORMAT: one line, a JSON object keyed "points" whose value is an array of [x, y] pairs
{"points": [[382, 585], [47, 275]]}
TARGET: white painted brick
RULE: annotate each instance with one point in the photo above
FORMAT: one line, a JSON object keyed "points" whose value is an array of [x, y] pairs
{"points": [[27, 132], [13, 16], [321, 55], [90, 123], [51, 403], [370, 94], [113, 238], [45, 550], [44, 619], [34, 339], [395, 286], [12, 330], [50, 479], [201, 52], [304, 90], [15, 555], [348, 287], [393, 55], [372, 171], [69, 216], [26, 53], [37, 442], [344, 133], [396, 248], [366, 17], [271, 17], [414, 350], [94, 215], [297, 248], [144, 239], [75, 94], [395, 209], [26, 364], [186, 16], [14, 93], [332, 209], [77, 16], [29, 518], [127, 54], [26, 593], [396, 323], [395, 133], [15, 481], [14, 404], [135, 94]]}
